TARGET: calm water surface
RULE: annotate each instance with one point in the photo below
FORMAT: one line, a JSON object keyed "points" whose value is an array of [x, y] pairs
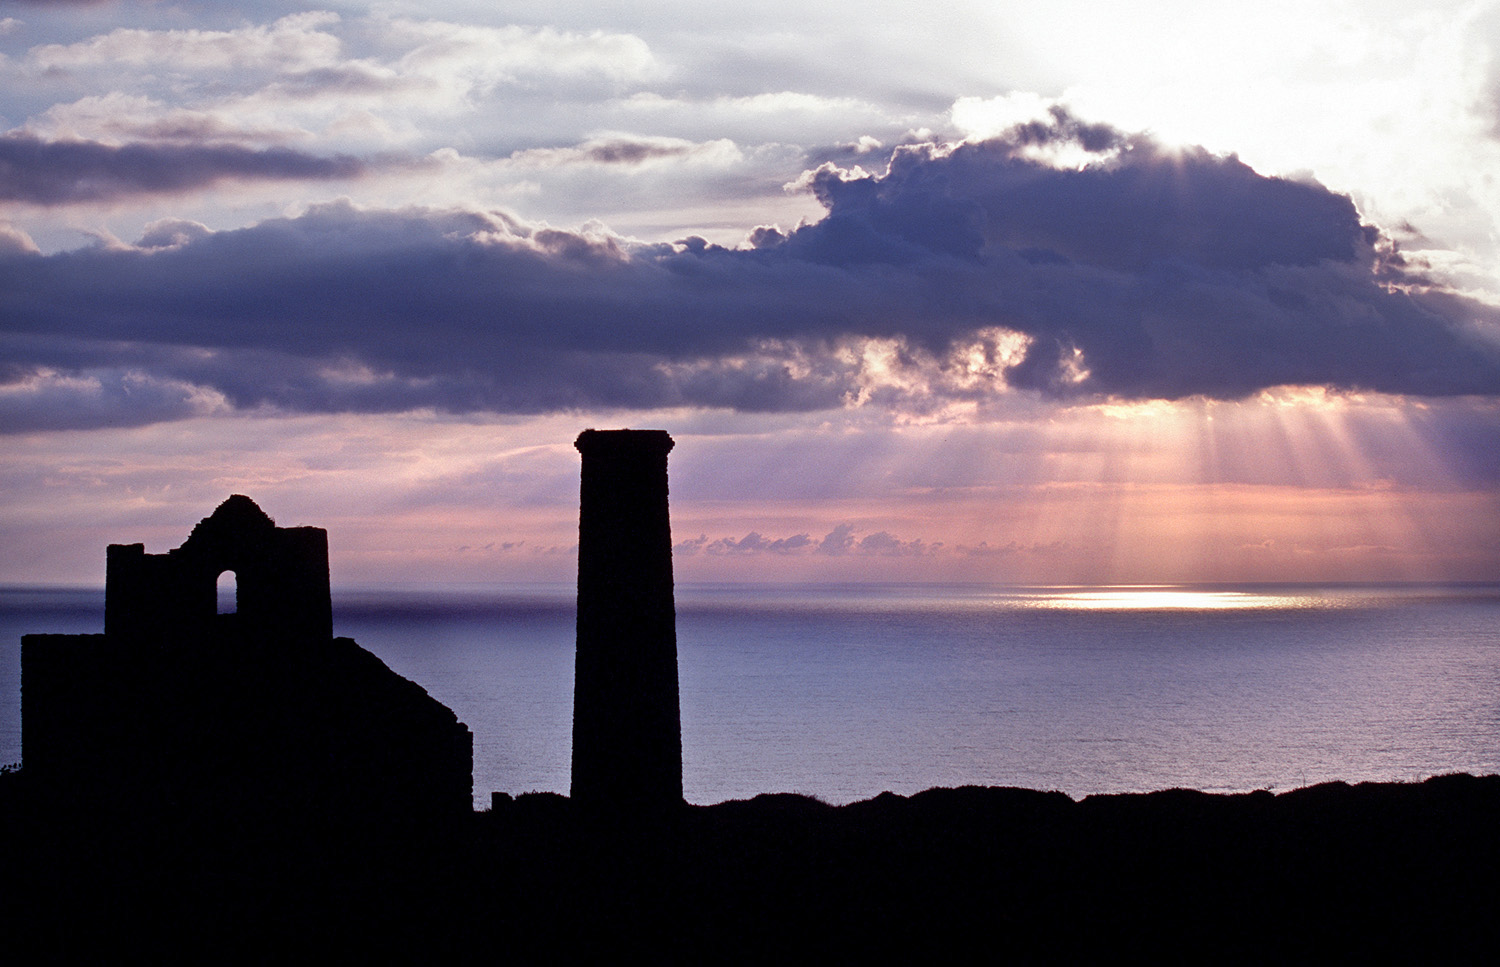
{"points": [[845, 691]]}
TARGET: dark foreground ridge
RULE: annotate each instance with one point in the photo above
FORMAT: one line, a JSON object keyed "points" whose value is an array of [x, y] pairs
{"points": [[1332, 870]]}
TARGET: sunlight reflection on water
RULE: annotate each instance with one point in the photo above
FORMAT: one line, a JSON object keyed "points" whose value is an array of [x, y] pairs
{"points": [[1159, 597]]}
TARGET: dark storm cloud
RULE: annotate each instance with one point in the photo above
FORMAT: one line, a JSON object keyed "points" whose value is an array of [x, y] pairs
{"points": [[1145, 274], [609, 151], [106, 398], [1174, 274], [62, 172], [632, 152]]}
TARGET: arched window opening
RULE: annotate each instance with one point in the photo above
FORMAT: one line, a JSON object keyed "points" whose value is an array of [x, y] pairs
{"points": [[229, 593]]}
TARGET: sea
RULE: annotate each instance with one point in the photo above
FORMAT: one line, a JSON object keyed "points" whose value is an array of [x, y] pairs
{"points": [[844, 691]]}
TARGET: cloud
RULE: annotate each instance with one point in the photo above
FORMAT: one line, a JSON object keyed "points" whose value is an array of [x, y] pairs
{"points": [[295, 42], [960, 275], [14, 241], [626, 151], [1011, 549], [103, 398], [754, 543], [780, 103], [117, 116], [172, 232], [839, 542], [487, 56], [785, 117], [313, 71], [64, 172], [886, 544], [1151, 272]]}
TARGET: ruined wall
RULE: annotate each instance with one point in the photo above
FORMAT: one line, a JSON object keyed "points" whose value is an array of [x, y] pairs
{"points": [[260, 716], [281, 575], [627, 729]]}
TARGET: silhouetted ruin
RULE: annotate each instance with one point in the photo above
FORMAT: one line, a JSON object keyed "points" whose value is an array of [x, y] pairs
{"points": [[260, 713], [627, 727], [281, 576]]}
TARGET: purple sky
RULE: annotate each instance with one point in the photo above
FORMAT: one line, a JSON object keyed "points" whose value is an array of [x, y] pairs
{"points": [[1054, 296]]}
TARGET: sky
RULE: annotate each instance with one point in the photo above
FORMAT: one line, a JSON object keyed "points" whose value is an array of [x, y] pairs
{"points": [[1049, 292]]}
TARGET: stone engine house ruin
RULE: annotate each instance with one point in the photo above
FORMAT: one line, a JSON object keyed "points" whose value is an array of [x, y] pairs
{"points": [[261, 714], [281, 576]]}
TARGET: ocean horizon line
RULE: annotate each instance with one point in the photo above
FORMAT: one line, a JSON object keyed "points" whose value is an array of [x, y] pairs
{"points": [[417, 585]]}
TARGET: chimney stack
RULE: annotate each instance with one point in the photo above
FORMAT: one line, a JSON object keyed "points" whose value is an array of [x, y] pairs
{"points": [[627, 727]]}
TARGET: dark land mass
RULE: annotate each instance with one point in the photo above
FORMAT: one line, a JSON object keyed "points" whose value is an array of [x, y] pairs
{"points": [[1333, 870]]}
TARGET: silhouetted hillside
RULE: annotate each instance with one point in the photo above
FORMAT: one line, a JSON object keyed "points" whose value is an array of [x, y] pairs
{"points": [[1330, 870]]}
